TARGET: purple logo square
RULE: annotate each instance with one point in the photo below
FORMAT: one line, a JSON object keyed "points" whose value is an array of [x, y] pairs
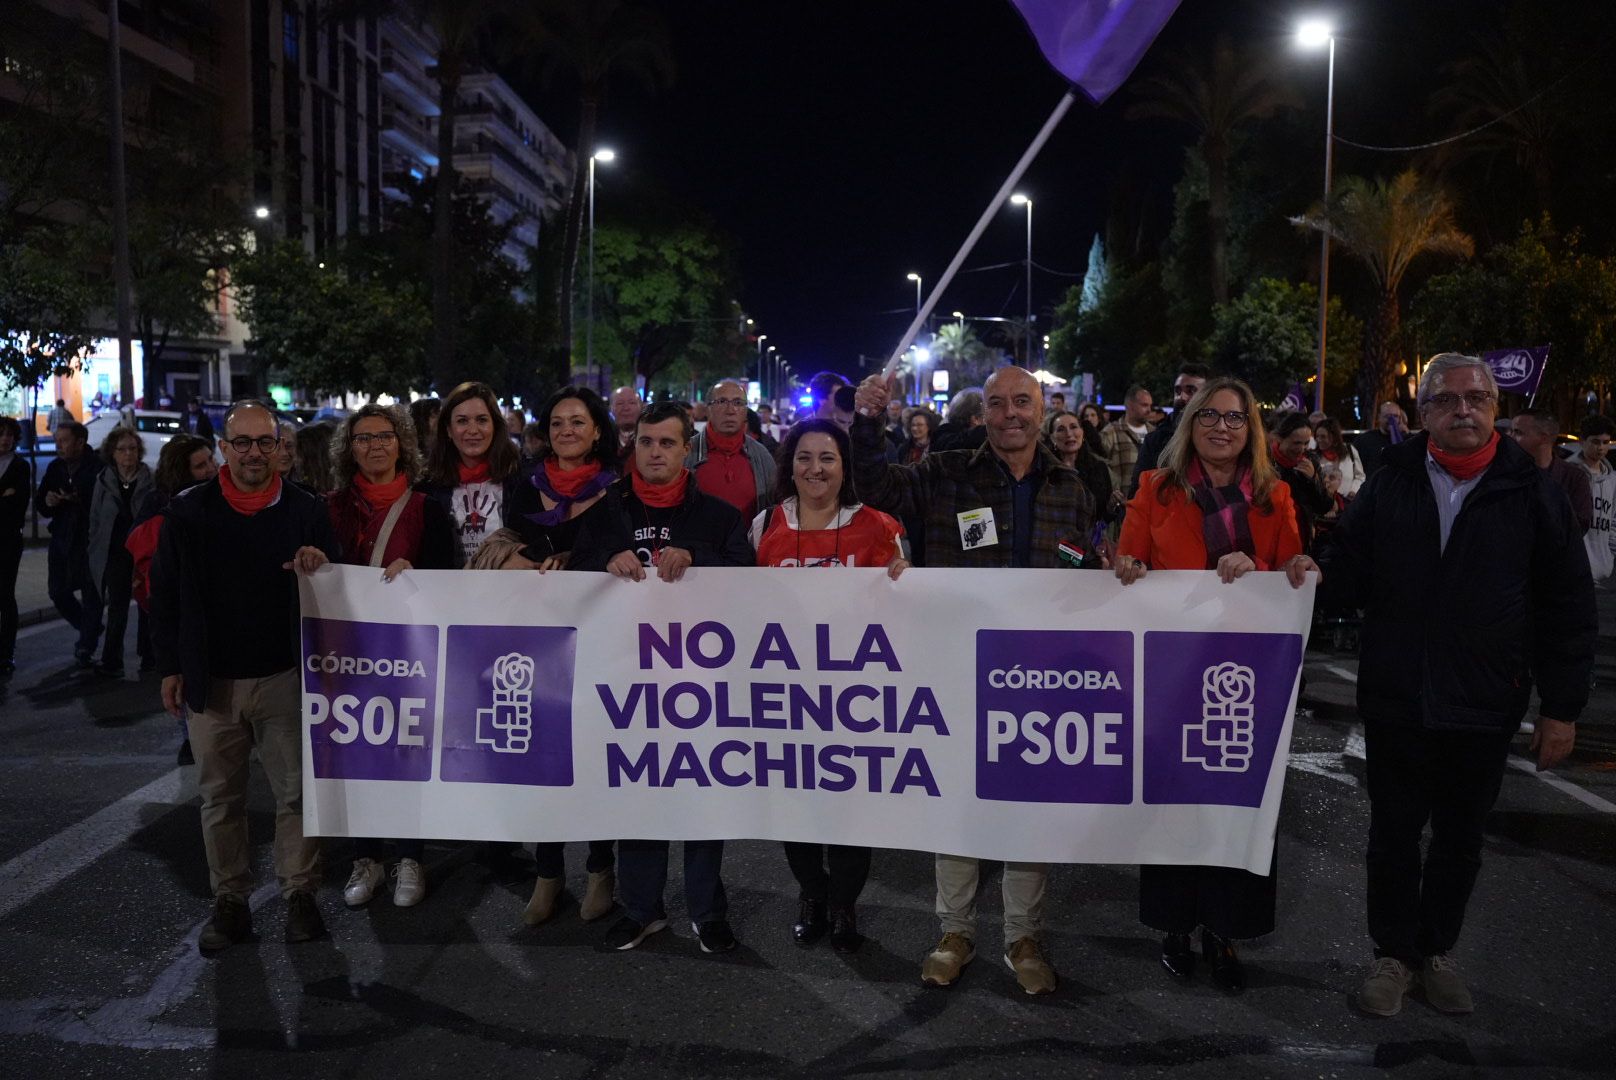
{"points": [[1214, 708], [1054, 716], [368, 694], [507, 714]]}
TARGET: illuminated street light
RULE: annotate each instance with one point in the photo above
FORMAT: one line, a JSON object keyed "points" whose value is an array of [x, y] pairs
{"points": [[603, 155], [916, 279], [1018, 199], [1314, 34], [261, 213]]}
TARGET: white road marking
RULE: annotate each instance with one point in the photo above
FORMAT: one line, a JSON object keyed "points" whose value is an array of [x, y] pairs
{"points": [[52, 861], [1338, 670]]}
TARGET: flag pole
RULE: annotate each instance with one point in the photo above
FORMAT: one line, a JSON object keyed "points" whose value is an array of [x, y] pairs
{"points": [[981, 225], [1547, 350]]}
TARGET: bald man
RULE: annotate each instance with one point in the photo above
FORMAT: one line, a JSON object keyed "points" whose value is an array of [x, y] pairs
{"points": [[725, 462], [1009, 502]]}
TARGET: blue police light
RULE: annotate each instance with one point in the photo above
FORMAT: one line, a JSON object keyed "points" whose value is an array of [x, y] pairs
{"points": [[806, 400]]}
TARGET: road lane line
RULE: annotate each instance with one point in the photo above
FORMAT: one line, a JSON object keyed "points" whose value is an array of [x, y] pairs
{"points": [[1582, 795], [51, 861], [1338, 670]]}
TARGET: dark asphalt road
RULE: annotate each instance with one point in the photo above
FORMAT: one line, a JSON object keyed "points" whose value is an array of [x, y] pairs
{"points": [[103, 887]]}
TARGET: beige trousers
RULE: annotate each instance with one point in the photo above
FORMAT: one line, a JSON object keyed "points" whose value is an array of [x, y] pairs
{"points": [[957, 879]]}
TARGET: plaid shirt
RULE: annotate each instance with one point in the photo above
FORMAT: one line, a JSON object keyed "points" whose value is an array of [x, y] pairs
{"points": [[945, 484]]}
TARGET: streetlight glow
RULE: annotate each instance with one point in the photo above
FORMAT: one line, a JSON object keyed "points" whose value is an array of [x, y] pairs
{"points": [[1018, 199], [914, 277], [261, 213], [605, 154], [1314, 34]]}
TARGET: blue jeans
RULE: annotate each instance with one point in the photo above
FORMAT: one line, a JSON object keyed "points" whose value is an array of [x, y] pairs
{"points": [[642, 877]]}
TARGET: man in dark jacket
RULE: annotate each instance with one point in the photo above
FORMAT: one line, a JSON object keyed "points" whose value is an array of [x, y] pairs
{"points": [[1188, 383], [657, 520], [64, 498], [1007, 503], [225, 627], [1474, 582]]}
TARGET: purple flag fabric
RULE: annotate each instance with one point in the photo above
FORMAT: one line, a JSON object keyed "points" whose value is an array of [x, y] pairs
{"points": [[1518, 370], [1296, 399], [1095, 43]]}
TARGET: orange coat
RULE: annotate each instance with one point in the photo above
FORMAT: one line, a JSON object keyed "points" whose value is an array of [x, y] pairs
{"points": [[1169, 537]]}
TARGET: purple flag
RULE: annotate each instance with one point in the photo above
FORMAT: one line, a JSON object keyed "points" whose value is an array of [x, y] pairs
{"points": [[1296, 399], [1518, 370], [1095, 43]]}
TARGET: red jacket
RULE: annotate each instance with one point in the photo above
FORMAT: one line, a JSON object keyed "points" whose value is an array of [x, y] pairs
{"points": [[1169, 537]]}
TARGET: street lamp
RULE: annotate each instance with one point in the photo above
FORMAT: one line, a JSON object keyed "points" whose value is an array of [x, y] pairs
{"points": [[261, 213], [1018, 199], [1313, 34], [607, 156], [916, 279]]}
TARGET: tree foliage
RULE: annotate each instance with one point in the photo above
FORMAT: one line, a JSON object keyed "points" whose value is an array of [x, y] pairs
{"points": [[970, 359], [43, 305], [1268, 336]]}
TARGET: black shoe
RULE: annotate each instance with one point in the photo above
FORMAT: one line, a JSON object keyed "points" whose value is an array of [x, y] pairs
{"points": [[83, 658], [844, 935], [106, 670], [627, 934], [185, 755], [1227, 970], [7, 669], [811, 924], [303, 921], [715, 936], [231, 922], [1177, 956]]}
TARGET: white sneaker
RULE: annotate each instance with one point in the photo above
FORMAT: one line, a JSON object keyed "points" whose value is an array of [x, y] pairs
{"points": [[362, 884], [409, 883]]}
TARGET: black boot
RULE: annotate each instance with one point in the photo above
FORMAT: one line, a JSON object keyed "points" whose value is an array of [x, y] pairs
{"points": [[844, 934], [1227, 970], [811, 923], [1177, 956]]}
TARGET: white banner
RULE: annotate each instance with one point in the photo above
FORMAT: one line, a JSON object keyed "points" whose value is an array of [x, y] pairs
{"points": [[1031, 715]]}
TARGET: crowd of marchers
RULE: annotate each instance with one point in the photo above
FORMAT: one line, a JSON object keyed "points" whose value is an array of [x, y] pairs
{"points": [[1470, 558]]}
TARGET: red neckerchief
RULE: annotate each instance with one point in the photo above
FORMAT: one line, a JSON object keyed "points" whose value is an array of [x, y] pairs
{"points": [[725, 444], [1464, 466], [381, 496], [1286, 462], [474, 474], [248, 503], [661, 496], [1329, 455], [569, 483]]}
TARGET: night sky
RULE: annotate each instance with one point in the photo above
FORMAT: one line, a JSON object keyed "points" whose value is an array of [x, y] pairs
{"points": [[844, 144]]}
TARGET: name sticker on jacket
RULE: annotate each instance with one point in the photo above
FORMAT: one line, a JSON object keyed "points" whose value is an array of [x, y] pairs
{"points": [[977, 529]]}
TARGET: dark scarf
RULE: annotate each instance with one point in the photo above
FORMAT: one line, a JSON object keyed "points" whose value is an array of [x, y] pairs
{"points": [[1224, 511]]}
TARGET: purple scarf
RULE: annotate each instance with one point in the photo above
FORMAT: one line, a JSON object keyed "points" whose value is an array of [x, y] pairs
{"points": [[563, 505], [1223, 513]]}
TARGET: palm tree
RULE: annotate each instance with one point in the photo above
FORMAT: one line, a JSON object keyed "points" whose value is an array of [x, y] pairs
{"points": [[957, 344], [1387, 225], [592, 41], [1215, 95]]}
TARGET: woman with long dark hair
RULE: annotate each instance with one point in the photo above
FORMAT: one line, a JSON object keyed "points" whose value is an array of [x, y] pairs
{"points": [[1066, 437], [817, 521], [473, 468], [120, 489]]}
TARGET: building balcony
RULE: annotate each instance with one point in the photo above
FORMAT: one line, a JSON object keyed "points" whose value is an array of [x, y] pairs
{"points": [[410, 138], [403, 79]]}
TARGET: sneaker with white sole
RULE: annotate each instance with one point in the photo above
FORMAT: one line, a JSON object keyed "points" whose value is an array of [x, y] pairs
{"points": [[1382, 992], [1033, 972], [943, 964], [1444, 990], [715, 936], [366, 878], [627, 934], [409, 883]]}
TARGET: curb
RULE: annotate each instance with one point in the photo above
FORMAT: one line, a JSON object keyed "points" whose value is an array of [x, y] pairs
{"points": [[35, 616]]}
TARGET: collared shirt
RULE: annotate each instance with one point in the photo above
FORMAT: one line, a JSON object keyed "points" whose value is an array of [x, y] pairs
{"points": [[1450, 493], [1023, 492]]}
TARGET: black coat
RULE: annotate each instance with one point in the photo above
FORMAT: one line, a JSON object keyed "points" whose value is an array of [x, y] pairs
{"points": [[1307, 495], [709, 528], [1453, 638], [16, 488], [1150, 451]]}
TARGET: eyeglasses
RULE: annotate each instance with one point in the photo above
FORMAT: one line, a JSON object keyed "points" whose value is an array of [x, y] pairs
{"points": [[265, 443], [1208, 418], [727, 402], [380, 438], [1447, 402]]}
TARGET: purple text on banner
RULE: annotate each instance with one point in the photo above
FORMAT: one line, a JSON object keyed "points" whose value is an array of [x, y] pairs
{"points": [[1054, 716], [1095, 43], [368, 694], [507, 712], [1214, 708], [1518, 370]]}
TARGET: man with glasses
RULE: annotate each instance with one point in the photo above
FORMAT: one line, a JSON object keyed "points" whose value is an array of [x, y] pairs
{"points": [[1535, 430], [1188, 383], [1474, 582], [225, 627], [1594, 458], [725, 463]]}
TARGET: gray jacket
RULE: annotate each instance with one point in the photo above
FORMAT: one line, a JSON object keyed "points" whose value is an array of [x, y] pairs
{"points": [[757, 456], [104, 514]]}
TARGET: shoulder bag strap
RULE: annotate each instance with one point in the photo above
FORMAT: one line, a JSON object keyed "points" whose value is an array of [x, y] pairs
{"points": [[379, 552]]}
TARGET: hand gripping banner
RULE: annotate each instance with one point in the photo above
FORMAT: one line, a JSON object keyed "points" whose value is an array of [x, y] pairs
{"points": [[1030, 715]]}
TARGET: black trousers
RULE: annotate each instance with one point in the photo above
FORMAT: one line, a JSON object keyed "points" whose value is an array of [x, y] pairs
{"points": [[840, 886], [1229, 902], [550, 857], [117, 583], [1451, 780], [10, 560]]}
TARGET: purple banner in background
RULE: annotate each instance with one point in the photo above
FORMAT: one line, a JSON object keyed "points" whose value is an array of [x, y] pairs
{"points": [[1518, 371], [1095, 43], [369, 690], [1214, 708], [507, 714]]}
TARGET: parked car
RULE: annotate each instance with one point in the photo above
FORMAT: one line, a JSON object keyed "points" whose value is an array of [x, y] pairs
{"points": [[155, 428]]}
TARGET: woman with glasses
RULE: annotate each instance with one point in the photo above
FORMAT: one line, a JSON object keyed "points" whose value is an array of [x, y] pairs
{"points": [[1216, 503], [474, 466], [119, 491], [545, 512], [380, 522], [818, 521]]}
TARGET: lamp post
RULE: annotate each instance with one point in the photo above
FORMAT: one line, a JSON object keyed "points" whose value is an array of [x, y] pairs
{"points": [[603, 155], [1018, 199], [763, 385], [916, 279], [1314, 34]]}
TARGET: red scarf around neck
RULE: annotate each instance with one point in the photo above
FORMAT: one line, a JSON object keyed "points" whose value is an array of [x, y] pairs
{"points": [[725, 444], [248, 503], [1286, 462], [381, 496], [569, 484], [474, 474], [1464, 466], [661, 496]]}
